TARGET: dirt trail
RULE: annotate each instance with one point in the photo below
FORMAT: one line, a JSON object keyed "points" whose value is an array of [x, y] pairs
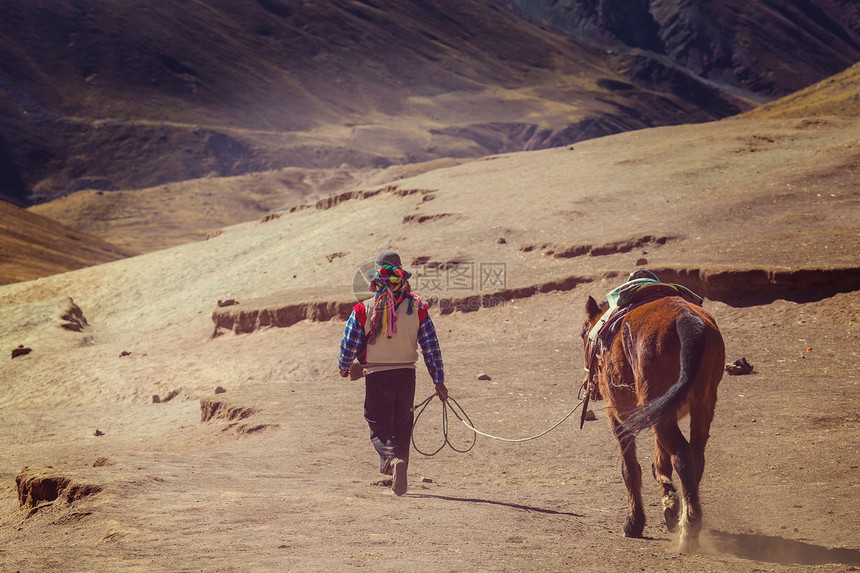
{"points": [[294, 486]]}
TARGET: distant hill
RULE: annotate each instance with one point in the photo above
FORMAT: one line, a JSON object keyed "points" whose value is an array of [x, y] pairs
{"points": [[33, 246], [132, 94], [838, 95]]}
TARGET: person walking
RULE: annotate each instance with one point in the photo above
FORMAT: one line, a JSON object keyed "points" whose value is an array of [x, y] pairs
{"points": [[384, 334]]}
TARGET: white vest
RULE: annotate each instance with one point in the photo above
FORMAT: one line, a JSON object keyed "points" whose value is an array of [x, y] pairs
{"points": [[399, 351]]}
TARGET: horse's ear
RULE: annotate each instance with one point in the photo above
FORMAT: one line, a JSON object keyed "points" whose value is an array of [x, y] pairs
{"points": [[592, 309]]}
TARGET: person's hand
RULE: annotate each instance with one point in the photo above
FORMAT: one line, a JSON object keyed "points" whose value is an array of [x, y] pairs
{"points": [[344, 373], [442, 391]]}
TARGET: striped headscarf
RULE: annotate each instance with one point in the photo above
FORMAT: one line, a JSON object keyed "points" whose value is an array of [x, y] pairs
{"points": [[390, 281]]}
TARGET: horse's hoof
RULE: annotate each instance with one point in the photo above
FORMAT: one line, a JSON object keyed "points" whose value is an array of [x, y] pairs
{"points": [[634, 527], [689, 546], [671, 518], [670, 512]]}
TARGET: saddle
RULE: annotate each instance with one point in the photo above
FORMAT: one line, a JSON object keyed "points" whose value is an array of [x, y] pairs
{"points": [[640, 288]]}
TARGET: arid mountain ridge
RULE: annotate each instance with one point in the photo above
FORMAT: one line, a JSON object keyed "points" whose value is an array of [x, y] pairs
{"points": [[144, 220], [767, 48], [108, 95]]}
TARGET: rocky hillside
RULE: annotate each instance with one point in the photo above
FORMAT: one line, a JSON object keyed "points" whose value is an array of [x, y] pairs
{"points": [[837, 95], [761, 48], [117, 95], [145, 220], [33, 246]]}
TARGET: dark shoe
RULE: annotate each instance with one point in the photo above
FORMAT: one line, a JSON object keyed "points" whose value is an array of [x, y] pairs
{"points": [[398, 484]]}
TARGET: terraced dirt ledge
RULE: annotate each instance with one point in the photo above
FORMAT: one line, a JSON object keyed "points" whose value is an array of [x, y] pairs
{"points": [[737, 287]]}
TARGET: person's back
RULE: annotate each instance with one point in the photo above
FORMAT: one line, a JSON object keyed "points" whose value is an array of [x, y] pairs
{"points": [[384, 333], [399, 348]]}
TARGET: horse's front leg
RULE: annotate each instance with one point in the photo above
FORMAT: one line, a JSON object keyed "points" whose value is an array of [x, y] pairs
{"points": [[632, 474]]}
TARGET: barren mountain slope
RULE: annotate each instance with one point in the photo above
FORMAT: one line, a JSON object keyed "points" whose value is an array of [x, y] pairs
{"points": [[277, 472], [731, 193], [768, 48], [107, 95], [117, 95], [838, 95], [146, 220], [33, 246]]}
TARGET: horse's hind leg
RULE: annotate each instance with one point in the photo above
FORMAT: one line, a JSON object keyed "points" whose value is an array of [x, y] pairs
{"points": [[700, 427], [632, 474], [674, 442], [662, 468]]}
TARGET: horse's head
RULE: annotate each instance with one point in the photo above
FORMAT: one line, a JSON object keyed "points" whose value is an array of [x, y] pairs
{"points": [[593, 312]]}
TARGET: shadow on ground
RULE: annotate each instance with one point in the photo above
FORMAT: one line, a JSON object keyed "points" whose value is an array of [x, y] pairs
{"points": [[493, 502], [781, 551]]}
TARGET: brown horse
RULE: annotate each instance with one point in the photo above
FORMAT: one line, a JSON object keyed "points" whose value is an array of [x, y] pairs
{"points": [[665, 362]]}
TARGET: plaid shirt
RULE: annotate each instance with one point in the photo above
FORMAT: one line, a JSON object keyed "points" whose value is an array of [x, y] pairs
{"points": [[353, 336]]}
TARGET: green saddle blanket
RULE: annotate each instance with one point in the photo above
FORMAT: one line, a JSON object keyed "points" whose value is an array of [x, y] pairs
{"points": [[641, 286]]}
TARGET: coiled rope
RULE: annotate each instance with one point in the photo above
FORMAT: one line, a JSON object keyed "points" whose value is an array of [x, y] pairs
{"points": [[468, 423]]}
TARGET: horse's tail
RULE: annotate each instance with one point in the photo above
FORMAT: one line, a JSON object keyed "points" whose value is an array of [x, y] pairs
{"points": [[691, 331]]}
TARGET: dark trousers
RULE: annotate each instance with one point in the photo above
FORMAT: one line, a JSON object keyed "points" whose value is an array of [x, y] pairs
{"points": [[388, 399]]}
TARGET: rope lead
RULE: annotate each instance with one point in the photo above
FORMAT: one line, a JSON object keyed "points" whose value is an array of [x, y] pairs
{"points": [[468, 423], [445, 405]]}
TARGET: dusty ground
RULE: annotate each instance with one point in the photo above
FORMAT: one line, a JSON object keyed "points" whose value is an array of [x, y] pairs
{"points": [[293, 486]]}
